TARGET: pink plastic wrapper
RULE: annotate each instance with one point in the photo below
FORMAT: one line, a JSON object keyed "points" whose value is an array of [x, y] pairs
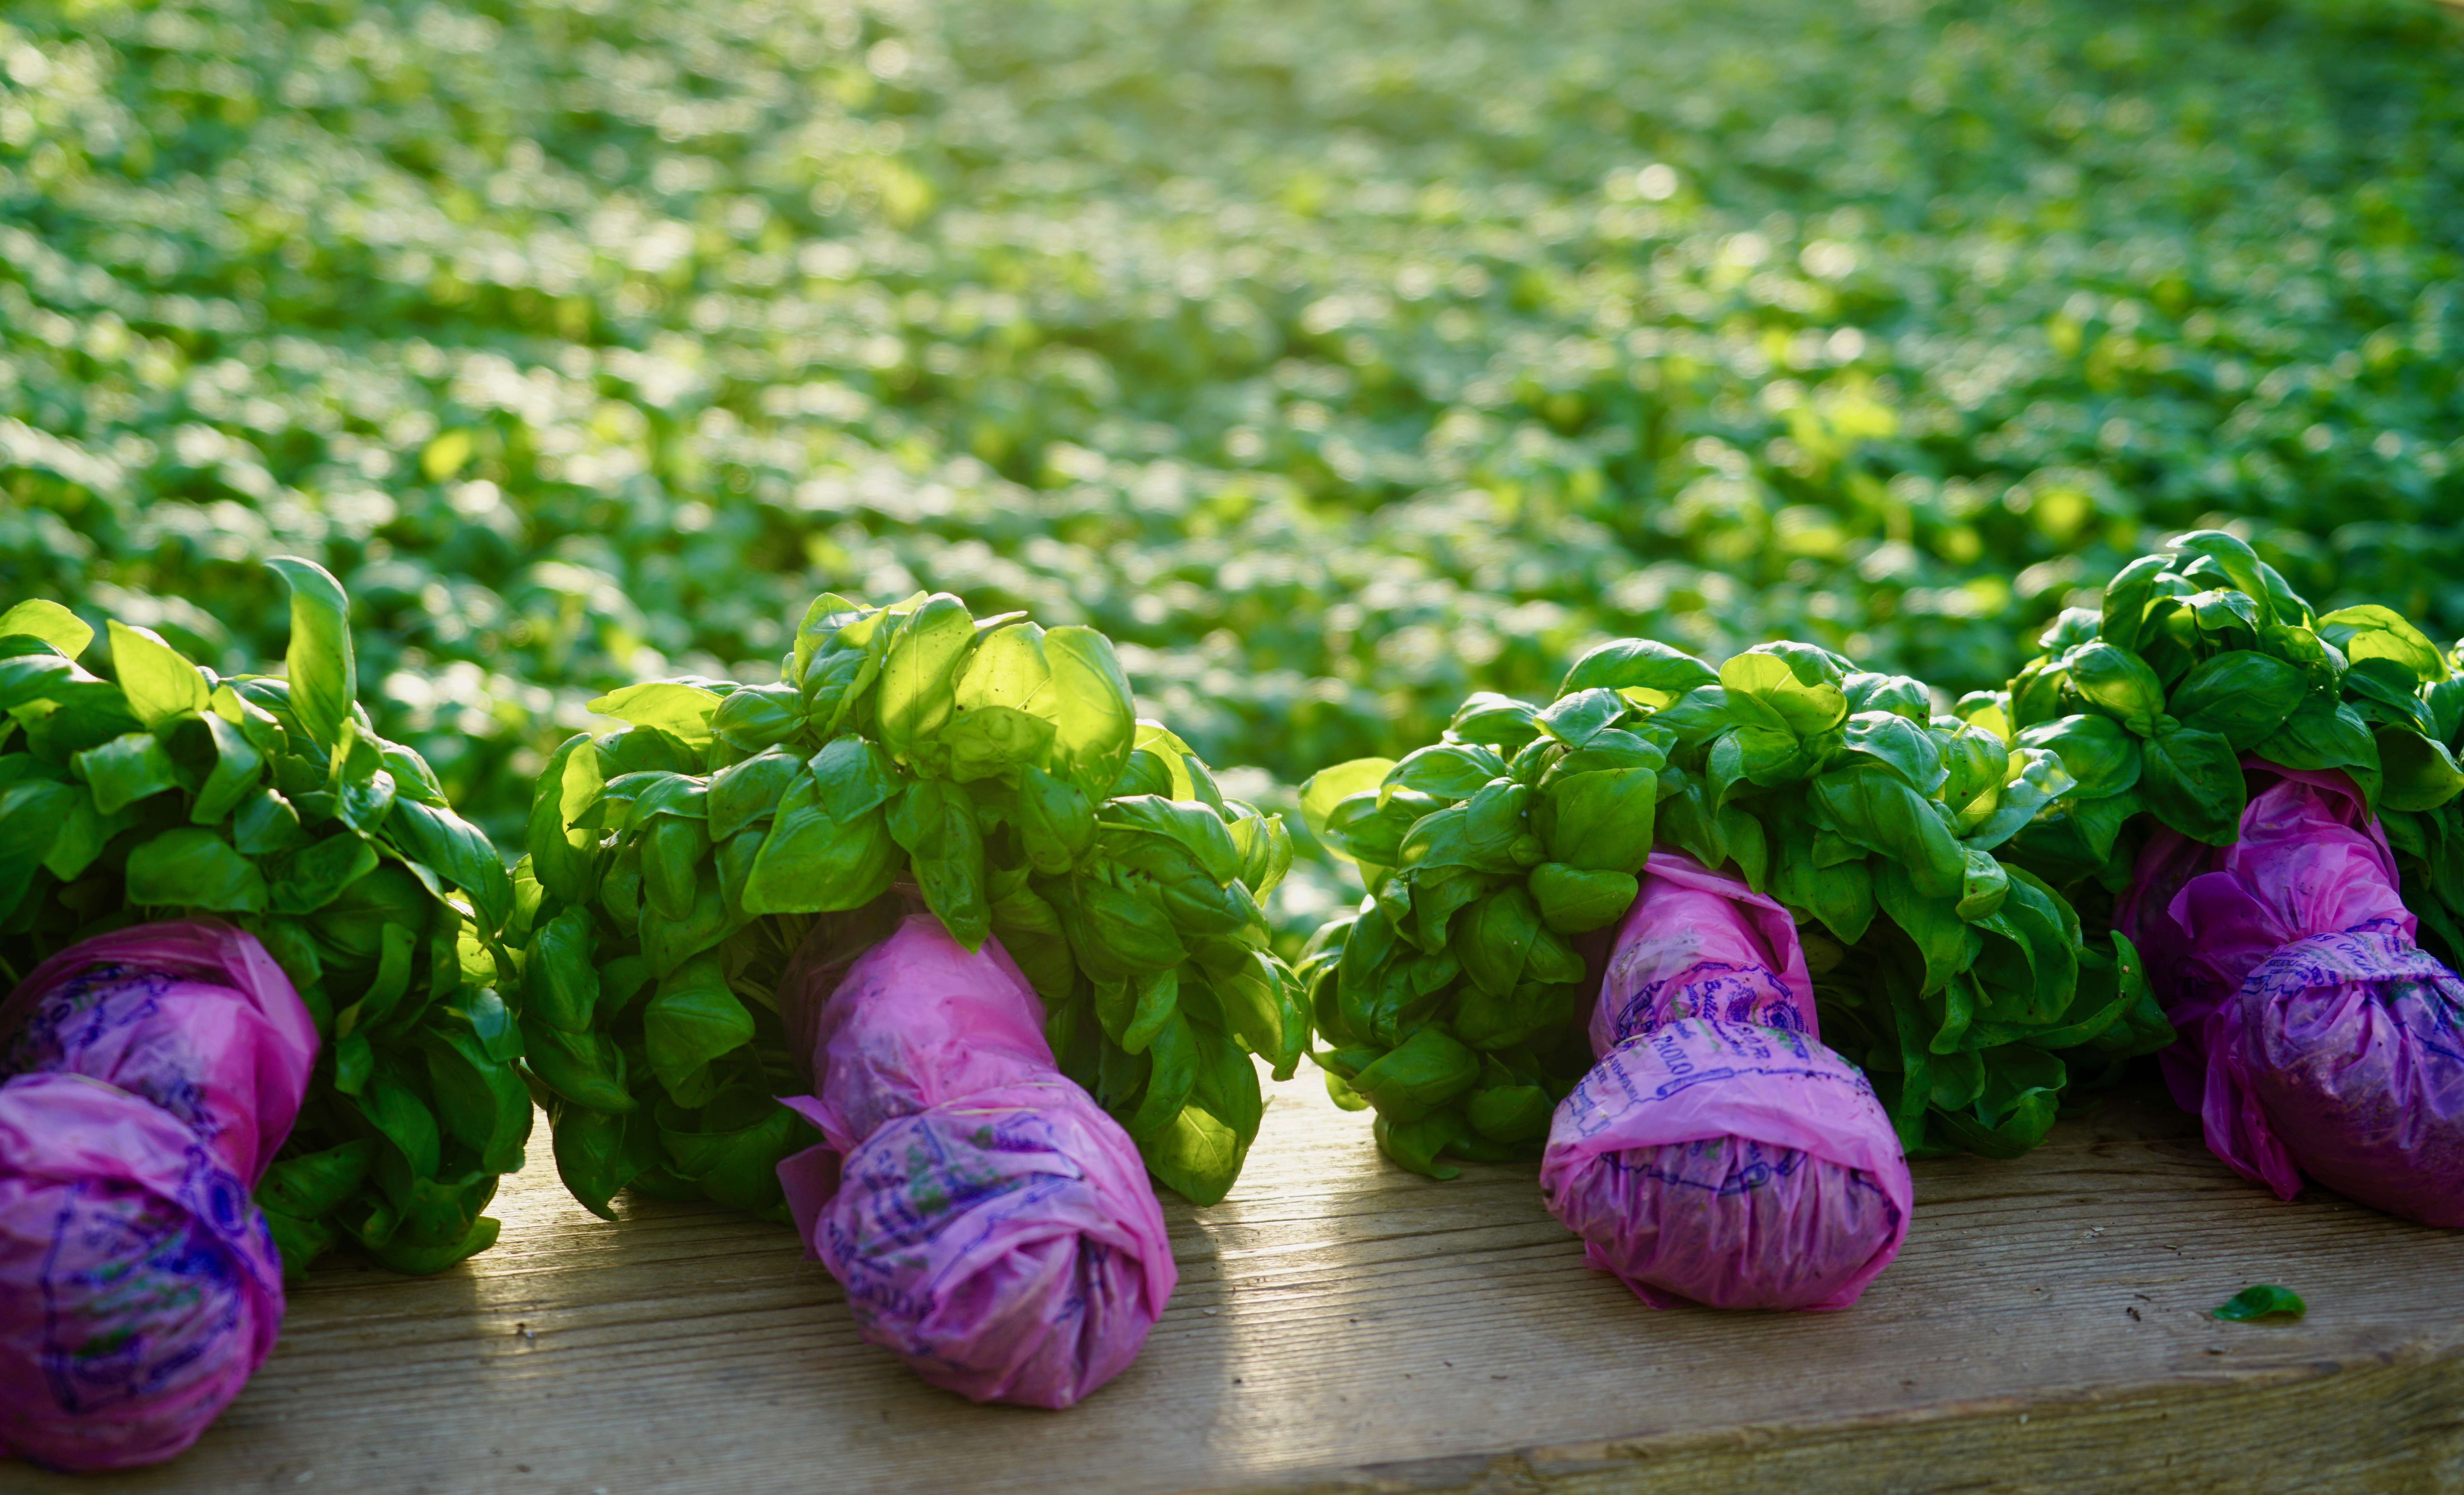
{"points": [[1719, 1152], [152, 1076], [2316, 1036], [993, 1227], [191, 1015]]}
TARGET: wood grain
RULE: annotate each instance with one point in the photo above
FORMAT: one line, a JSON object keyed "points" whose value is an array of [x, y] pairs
{"points": [[1344, 1326]]}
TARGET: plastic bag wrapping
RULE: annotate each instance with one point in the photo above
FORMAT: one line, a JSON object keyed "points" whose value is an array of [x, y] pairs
{"points": [[993, 1227], [2316, 1037], [191, 1015], [152, 1074], [1718, 1152]]}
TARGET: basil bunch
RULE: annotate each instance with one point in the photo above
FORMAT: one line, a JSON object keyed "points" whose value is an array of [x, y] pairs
{"points": [[2197, 658], [992, 768], [1454, 994], [2428, 843], [166, 791]]}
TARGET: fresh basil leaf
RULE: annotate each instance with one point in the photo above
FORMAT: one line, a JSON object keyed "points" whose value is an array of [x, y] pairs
{"points": [[2265, 1300], [682, 710], [2099, 753], [2116, 682], [320, 667], [2242, 696], [130, 767], [195, 868], [159, 684], [1095, 721], [2193, 782], [2126, 602], [1496, 721], [43, 619], [2371, 631]]}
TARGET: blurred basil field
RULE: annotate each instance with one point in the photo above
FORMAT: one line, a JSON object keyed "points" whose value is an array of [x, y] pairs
{"points": [[1336, 358]]}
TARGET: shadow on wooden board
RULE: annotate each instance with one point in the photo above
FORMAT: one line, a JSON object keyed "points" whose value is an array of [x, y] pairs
{"points": [[1345, 1326]]}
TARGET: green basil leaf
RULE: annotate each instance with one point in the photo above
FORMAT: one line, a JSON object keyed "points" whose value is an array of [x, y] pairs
{"points": [[682, 710], [1898, 694], [1800, 686], [2417, 773], [1575, 900], [2126, 602], [314, 876], [1495, 938], [321, 668], [1645, 665], [2192, 783], [2116, 682], [2239, 562], [692, 1020], [811, 863], [1602, 821], [1096, 722], [55, 624], [159, 684], [1447, 770], [2371, 631], [2266, 1299], [1426, 1071], [1901, 745], [1575, 719], [130, 767], [2321, 735], [2242, 696], [1873, 807], [746, 793], [195, 868], [2099, 753], [1493, 720]]}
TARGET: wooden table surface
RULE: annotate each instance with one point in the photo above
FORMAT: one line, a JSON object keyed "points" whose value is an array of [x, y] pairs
{"points": [[1344, 1326]]}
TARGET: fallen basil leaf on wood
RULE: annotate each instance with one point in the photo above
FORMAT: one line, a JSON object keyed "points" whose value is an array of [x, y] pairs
{"points": [[2266, 1299]]}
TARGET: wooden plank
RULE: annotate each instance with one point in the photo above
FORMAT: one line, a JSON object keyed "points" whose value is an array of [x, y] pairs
{"points": [[1345, 1326]]}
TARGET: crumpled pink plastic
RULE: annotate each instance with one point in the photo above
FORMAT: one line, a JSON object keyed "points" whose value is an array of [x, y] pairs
{"points": [[2316, 1036], [1719, 1152], [152, 1073], [191, 1015], [993, 1227]]}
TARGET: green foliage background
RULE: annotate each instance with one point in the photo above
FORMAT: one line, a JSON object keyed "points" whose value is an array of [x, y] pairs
{"points": [[1337, 359]]}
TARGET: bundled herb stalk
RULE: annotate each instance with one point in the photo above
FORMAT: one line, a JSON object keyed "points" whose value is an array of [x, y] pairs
{"points": [[2264, 743], [992, 769], [147, 1076], [993, 1227], [1718, 1152], [166, 792], [1956, 980]]}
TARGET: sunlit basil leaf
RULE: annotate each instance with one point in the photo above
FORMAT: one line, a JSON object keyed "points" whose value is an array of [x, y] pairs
{"points": [[811, 863], [1646, 667], [321, 670], [2240, 565], [682, 710], [1603, 820], [1095, 720], [1898, 694], [2371, 631], [1448, 770], [159, 684], [1900, 744], [2116, 682], [48, 620], [1498, 721], [1802, 686], [2101, 757]]}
